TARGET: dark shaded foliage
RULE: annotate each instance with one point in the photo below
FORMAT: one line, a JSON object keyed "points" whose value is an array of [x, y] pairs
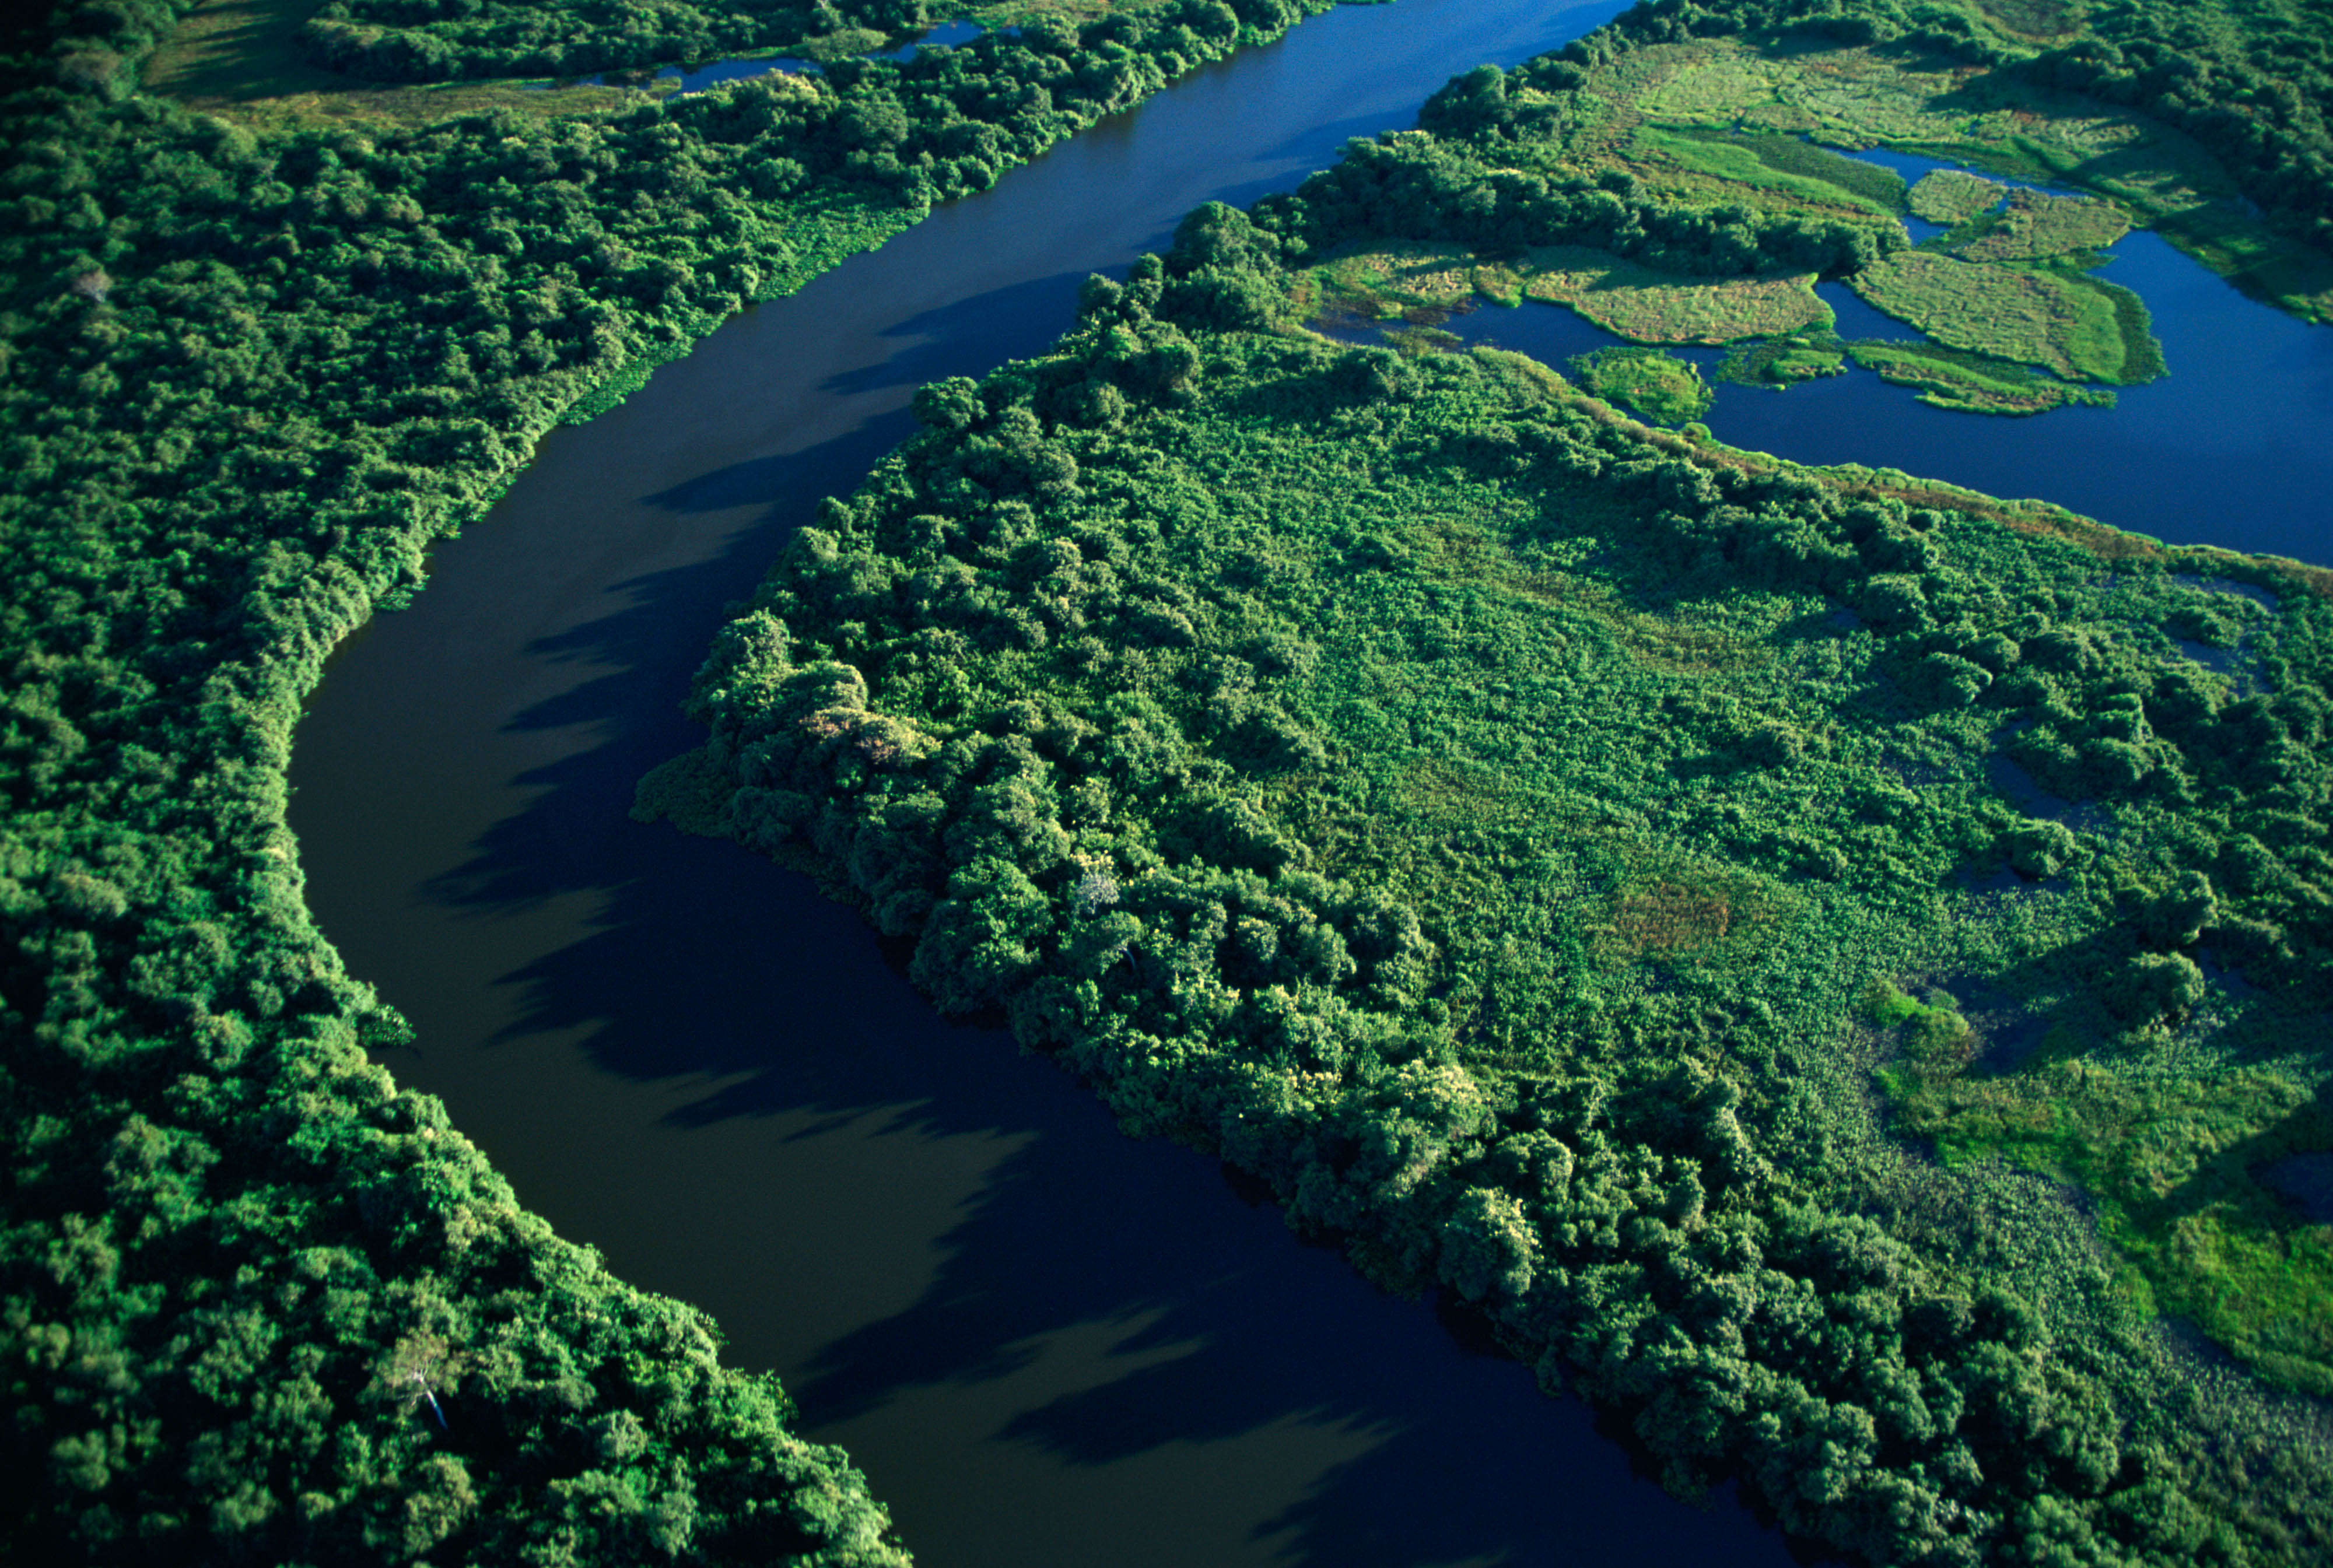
{"points": [[259, 1303]]}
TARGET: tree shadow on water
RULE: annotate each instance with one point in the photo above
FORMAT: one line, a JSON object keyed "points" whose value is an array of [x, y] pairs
{"points": [[1233, 1328], [1227, 1328], [707, 961], [966, 337], [971, 337]]}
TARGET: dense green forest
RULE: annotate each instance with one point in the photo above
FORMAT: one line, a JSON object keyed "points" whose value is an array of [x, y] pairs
{"points": [[1569, 861], [260, 1304], [454, 40], [468, 40], [1828, 964]]}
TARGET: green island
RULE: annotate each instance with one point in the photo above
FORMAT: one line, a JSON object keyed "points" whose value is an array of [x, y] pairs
{"points": [[1825, 963], [1952, 196], [1575, 862], [269, 334], [1658, 386]]}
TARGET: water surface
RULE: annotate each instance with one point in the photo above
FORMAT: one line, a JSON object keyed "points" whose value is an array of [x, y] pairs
{"points": [[1046, 1343], [2234, 448]]}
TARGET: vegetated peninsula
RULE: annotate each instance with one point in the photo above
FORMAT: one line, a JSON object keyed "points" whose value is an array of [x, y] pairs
{"points": [[1830, 965], [259, 1302]]}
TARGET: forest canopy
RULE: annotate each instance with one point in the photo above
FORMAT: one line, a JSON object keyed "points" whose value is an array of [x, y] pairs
{"points": [[456, 39], [259, 1302], [1829, 965]]}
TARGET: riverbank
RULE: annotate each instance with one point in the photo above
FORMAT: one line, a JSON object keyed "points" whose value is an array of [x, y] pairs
{"points": [[108, 979], [984, 1341], [1483, 825], [343, 341], [1231, 785]]}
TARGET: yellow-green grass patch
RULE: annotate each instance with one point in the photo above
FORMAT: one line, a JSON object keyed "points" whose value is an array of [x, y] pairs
{"points": [[1951, 197], [1855, 97], [1736, 164], [2035, 224], [2171, 1162], [2071, 324], [1784, 361], [1624, 297], [238, 58], [1970, 382], [238, 50], [1674, 907], [1382, 279], [1646, 306]]}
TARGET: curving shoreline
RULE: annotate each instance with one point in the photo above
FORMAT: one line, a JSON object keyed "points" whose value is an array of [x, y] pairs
{"points": [[559, 962]]}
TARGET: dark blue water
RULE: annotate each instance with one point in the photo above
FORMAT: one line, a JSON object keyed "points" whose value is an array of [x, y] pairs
{"points": [[2234, 448], [1046, 1343], [2304, 1181]]}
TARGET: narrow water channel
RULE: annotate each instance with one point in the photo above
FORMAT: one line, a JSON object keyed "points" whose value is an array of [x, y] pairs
{"points": [[2234, 447], [1047, 1343]]}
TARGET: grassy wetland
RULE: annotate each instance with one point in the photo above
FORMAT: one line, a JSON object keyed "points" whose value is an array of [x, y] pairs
{"points": [[1749, 132], [1829, 965]]}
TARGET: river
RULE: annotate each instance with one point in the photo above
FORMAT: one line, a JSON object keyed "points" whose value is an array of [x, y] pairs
{"points": [[1046, 1343]]}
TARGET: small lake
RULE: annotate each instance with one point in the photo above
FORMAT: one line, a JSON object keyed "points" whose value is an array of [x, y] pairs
{"points": [[1045, 1342], [2234, 447]]}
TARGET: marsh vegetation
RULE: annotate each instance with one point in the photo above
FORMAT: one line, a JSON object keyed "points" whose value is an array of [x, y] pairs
{"points": [[1631, 884], [1710, 121]]}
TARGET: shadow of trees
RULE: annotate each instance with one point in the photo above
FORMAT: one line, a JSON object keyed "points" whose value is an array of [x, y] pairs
{"points": [[710, 962]]}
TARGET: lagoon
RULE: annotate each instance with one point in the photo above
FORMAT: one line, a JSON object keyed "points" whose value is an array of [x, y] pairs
{"points": [[2234, 448]]}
